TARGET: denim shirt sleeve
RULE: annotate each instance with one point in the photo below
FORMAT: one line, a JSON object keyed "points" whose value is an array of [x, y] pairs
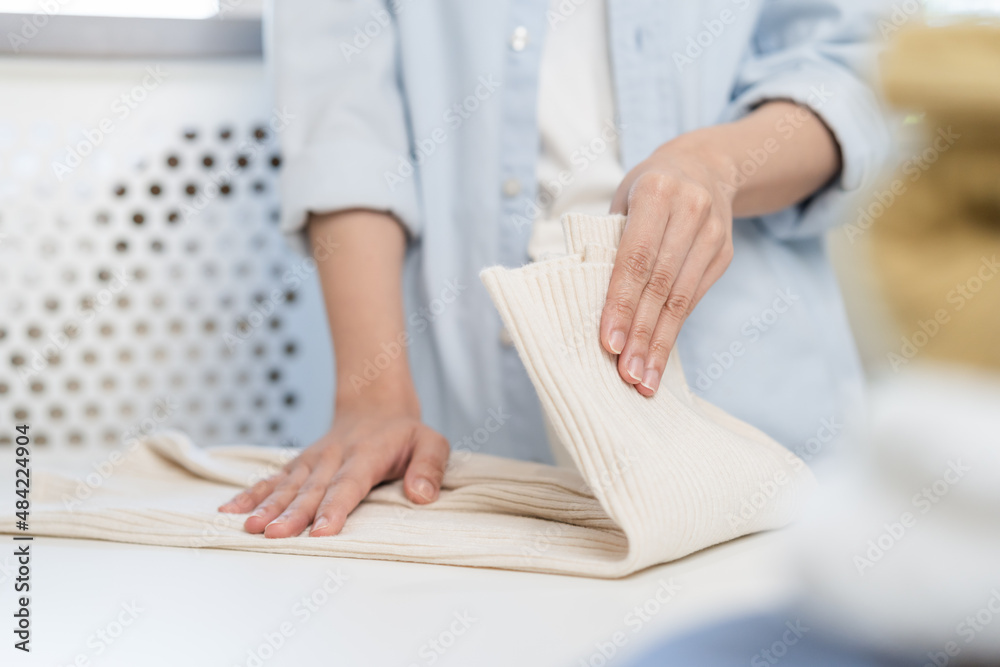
{"points": [[337, 78], [818, 53]]}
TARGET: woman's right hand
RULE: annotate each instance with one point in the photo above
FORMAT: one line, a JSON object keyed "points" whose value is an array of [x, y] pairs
{"points": [[369, 443]]}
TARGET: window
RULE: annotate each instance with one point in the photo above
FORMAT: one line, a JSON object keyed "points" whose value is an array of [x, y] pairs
{"points": [[175, 9]]}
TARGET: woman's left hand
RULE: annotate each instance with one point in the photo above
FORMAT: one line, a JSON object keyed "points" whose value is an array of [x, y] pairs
{"points": [[677, 242]]}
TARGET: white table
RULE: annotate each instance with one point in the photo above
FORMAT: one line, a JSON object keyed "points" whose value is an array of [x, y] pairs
{"points": [[189, 607]]}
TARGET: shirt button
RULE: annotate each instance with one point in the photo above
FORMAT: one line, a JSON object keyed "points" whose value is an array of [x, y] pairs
{"points": [[519, 38], [505, 338], [511, 187]]}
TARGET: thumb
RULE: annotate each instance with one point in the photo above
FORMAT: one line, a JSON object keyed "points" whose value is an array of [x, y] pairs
{"points": [[619, 203], [422, 481]]}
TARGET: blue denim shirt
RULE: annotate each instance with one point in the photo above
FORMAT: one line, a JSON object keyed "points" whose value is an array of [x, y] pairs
{"points": [[427, 109]]}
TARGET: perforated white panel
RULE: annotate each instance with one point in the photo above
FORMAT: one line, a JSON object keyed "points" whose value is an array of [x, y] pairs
{"points": [[143, 282]]}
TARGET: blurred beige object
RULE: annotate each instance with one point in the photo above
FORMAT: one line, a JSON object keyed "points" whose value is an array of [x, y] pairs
{"points": [[937, 247], [949, 72]]}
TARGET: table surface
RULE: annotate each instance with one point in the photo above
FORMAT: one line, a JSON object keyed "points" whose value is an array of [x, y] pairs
{"points": [[104, 603]]}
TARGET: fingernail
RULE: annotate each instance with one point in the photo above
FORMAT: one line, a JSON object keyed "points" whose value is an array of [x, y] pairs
{"points": [[651, 379], [319, 524], [617, 341], [260, 511], [635, 368], [281, 519], [424, 489]]}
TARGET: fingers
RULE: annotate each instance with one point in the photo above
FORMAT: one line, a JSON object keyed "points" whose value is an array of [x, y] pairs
{"points": [[422, 482], [673, 257], [276, 502], [249, 499], [707, 261], [346, 491], [300, 512], [636, 257], [648, 265]]}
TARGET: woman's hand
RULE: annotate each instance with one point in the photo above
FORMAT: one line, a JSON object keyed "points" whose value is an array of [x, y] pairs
{"points": [[678, 241], [377, 434], [680, 205], [368, 444]]}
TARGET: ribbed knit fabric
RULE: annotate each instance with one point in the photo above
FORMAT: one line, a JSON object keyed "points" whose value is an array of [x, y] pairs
{"points": [[657, 478]]}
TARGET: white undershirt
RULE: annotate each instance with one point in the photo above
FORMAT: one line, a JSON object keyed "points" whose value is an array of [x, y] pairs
{"points": [[579, 167]]}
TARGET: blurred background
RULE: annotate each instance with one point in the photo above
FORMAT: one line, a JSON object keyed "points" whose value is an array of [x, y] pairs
{"points": [[143, 283]]}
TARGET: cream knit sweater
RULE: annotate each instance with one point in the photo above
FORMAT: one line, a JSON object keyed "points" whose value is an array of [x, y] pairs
{"points": [[656, 478]]}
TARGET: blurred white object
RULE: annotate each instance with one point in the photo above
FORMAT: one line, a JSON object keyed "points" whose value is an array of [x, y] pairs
{"points": [[904, 552]]}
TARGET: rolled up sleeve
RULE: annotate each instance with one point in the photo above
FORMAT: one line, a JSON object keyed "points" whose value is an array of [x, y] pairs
{"points": [[819, 53], [337, 79]]}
